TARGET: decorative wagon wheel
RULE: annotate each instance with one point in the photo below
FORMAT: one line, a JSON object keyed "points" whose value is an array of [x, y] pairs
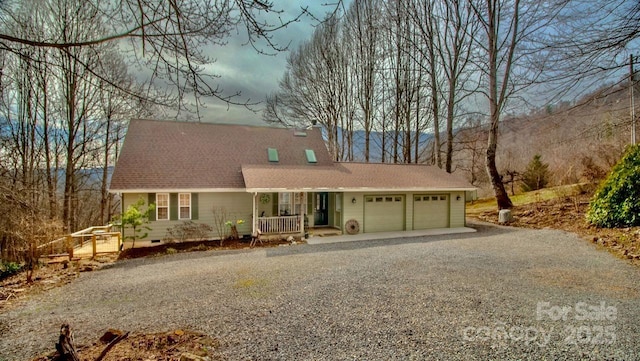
{"points": [[352, 226]]}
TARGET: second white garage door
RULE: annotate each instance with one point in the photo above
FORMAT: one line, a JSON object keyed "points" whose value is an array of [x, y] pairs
{"points": [[430, 211], [383, 213]]}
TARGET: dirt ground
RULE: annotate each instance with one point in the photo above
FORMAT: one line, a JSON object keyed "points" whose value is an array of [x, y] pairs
{"points": [[568, 214], [51, 273], [177, 247], [172, 345]]}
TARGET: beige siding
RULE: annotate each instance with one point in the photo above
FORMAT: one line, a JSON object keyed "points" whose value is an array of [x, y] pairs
{"points": [[310, 207], [457, 210], [409, 211], [237, 206], [336, 209], [267, 207], [352, 210]]}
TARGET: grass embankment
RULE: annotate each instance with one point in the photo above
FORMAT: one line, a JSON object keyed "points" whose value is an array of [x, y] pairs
{"points": [[480, 206]]}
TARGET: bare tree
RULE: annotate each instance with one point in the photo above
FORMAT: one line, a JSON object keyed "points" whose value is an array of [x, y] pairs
{"points": [[364, 22], [403, 75], [503, 32], [360, 74], [50, 106], [426, 21], [471, 142], [455, 53], [169, 37], [446, 30], [314, 88], [116, 107]]}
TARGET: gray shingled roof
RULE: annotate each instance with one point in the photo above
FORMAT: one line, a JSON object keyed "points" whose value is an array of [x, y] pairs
{"points": [[169, 155], [352, 176]]}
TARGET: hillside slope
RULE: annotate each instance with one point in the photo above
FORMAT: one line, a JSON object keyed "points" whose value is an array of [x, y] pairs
{"points": [[580, 141]]}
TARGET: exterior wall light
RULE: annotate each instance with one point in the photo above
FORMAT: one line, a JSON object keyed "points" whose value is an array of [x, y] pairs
{"points": [[353, 200], [457, 198]]}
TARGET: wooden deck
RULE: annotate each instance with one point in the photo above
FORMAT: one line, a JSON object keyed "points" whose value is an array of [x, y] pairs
{"points": [[104, 244], [84, 244]]}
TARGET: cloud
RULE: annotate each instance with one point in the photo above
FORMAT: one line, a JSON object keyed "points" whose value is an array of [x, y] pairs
{"points": [[243, 69]]}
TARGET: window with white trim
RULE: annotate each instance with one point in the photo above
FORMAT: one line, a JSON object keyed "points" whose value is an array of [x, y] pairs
{"points": [[184, 202], [284, 203], [162, 206]]}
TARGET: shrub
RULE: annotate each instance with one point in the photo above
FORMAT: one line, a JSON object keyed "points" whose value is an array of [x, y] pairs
{"points": [[138, 220], [171, 251], [536, 176], [616, 202], [8, 269], [188, 230]]}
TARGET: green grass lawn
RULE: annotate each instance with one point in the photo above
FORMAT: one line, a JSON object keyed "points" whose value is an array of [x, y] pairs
{"points": [[489, 204]]}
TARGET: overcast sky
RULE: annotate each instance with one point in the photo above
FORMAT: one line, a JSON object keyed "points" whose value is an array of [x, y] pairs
{"points": [[242, 69]]}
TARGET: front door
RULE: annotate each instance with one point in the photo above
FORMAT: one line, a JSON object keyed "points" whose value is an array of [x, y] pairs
{"points": [[321, 212]]}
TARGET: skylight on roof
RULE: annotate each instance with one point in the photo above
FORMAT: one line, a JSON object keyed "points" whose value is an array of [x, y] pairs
{"points": [[273, 155], [311, 156]]}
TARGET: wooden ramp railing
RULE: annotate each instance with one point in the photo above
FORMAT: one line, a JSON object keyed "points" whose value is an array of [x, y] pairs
{"points": [[87, 242]]}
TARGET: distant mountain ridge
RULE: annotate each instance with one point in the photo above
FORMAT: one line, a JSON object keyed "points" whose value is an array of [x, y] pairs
{"points": [[375, 145]]}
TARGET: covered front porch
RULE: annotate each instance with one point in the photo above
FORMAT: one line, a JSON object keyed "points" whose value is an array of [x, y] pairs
{"points": [[295, 212]]}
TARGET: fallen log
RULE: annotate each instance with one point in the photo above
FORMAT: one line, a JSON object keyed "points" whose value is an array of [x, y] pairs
{"points": [[110, 345]]}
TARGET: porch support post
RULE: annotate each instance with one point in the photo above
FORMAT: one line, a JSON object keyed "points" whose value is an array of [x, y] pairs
{"points": [[303, 209], [255, 215]]}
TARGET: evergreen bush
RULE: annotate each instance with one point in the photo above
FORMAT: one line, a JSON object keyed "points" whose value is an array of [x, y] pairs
{"points": [[8, 269], [536, 176], [616, 202]]}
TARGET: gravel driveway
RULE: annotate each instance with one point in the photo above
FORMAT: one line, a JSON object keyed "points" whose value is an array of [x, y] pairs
{"points": [[501, 293]]}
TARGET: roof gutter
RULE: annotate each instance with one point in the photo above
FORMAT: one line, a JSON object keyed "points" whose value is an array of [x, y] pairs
{"points": [[179, 190], [364, 189]]}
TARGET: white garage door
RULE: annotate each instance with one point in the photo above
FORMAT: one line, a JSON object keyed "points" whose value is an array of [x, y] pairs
{"points": [[430, 211], [383, 213]]}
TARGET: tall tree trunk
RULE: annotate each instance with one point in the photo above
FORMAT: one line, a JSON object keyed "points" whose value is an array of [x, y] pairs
{"points": [[50, 177], [496, 101], [433, 73], [104, 194], [450, 113], [502, 198]]}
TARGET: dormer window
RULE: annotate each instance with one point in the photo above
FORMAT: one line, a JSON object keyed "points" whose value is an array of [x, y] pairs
{"points": [[273, 155], [311, 156]]}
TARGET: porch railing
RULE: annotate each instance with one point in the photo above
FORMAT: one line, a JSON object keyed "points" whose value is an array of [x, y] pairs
{"points": [[283, 224]]}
